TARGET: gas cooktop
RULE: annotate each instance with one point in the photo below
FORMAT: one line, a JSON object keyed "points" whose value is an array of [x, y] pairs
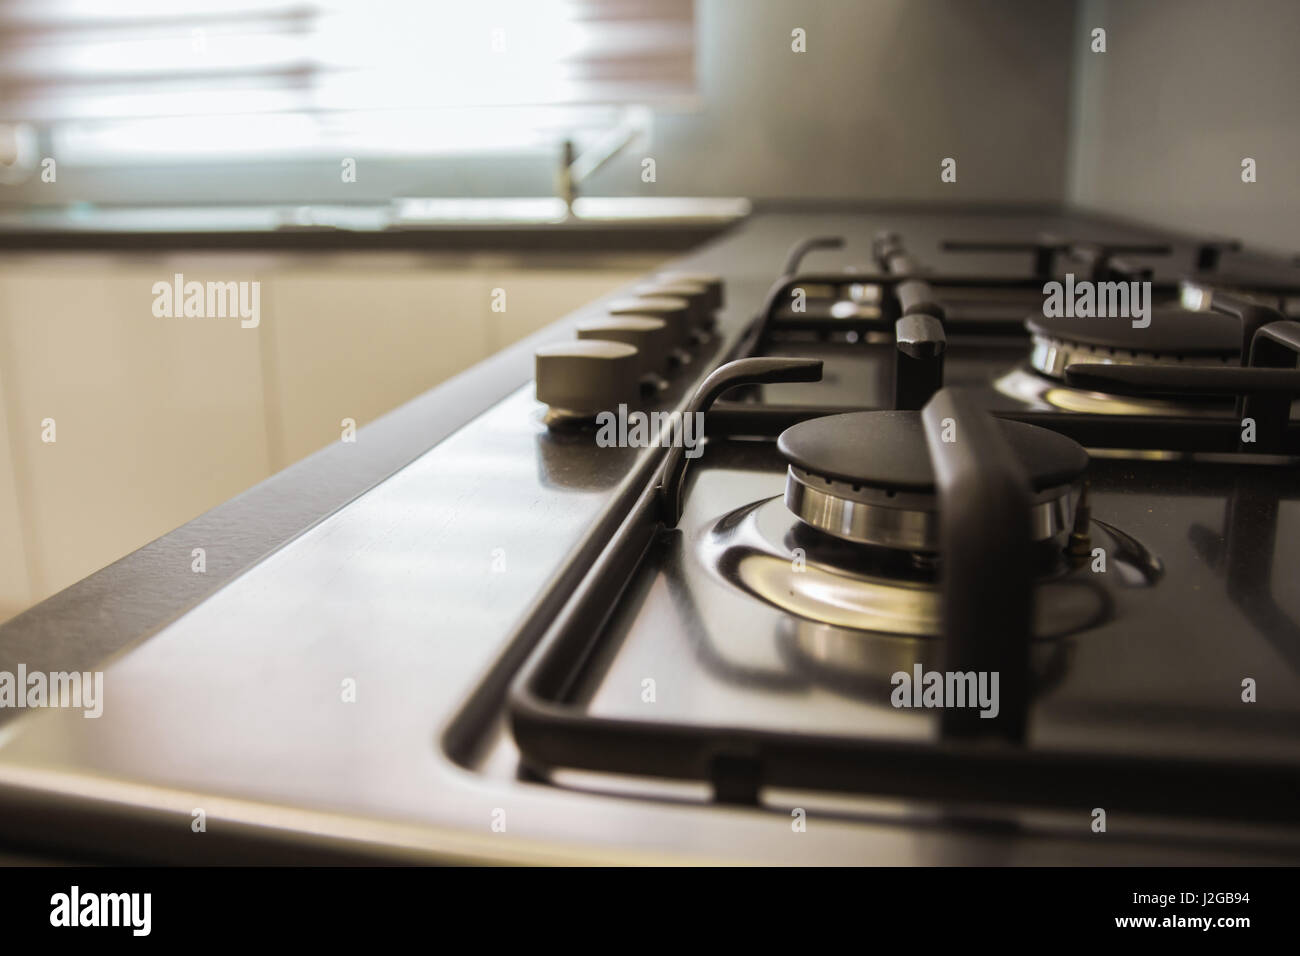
{"points": [[974, 544]]}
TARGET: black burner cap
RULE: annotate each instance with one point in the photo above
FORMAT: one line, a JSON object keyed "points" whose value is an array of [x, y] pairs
{"points": [[888, 450], [1173, 331]]}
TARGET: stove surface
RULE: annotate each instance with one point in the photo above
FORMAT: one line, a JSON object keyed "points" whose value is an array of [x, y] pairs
{"points": [[502, 652], [1139, 666]]}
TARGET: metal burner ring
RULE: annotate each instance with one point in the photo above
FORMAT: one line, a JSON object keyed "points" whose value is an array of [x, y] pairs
{"points": [[1052, 357], [906, 521]]}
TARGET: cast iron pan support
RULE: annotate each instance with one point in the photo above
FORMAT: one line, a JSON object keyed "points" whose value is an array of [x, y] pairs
{"points": [[1252, 316], [1102, 262], [1265, 388], [909, 296], [1243, 554], [890, 254], [917, 297], [1045, 249], [986, 560], [986, 616], [1098, 258], [749, 371], [1209, 253], [794, 258], [919, 346], [1276, 345]]}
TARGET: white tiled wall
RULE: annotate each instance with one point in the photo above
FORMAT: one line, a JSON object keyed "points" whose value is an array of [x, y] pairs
{"points": [[159, 419]]}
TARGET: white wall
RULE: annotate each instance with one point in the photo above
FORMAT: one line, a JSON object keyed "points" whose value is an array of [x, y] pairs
{"points": [[1185, 91], [886, 89]]}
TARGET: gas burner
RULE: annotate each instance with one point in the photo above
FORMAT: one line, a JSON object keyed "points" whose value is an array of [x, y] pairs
{"points": [[866, 477], [760, 550], [840, 660], [1174, 337]]}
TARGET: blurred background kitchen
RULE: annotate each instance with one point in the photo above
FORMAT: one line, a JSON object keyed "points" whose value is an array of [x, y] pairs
{"points": [[382, 168]]}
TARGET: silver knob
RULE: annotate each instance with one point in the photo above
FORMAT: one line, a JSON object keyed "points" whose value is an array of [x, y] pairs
{"points": [[711, 282], [694, 293], [649, 336], [675, 313], [580, 379]]}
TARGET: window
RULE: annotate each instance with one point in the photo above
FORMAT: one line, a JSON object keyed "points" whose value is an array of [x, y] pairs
{"points": [[186, 80]]}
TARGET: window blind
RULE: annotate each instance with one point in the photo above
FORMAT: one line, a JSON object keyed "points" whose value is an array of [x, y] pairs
{"points": [[278, 74]]}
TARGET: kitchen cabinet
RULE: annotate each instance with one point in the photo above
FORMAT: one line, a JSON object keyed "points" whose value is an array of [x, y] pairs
{"points": [[158, 419]]}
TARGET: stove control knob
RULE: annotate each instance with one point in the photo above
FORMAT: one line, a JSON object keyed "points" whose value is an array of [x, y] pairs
{"points": [[649, 336], [675, 313], [694, 293], [712, 284], [580, 379]]}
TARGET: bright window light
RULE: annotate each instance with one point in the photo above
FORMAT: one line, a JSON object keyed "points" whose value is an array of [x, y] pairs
{"points": [[180, 79]]}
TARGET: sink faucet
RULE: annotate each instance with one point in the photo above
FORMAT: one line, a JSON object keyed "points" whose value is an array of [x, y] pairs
{"points": [[574, 168]]}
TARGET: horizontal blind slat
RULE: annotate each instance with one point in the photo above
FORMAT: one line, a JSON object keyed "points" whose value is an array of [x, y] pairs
{"points": [[66, 60]]}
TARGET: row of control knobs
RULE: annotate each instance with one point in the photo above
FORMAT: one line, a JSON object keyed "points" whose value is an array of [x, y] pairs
{"points": [[635, 346]]}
